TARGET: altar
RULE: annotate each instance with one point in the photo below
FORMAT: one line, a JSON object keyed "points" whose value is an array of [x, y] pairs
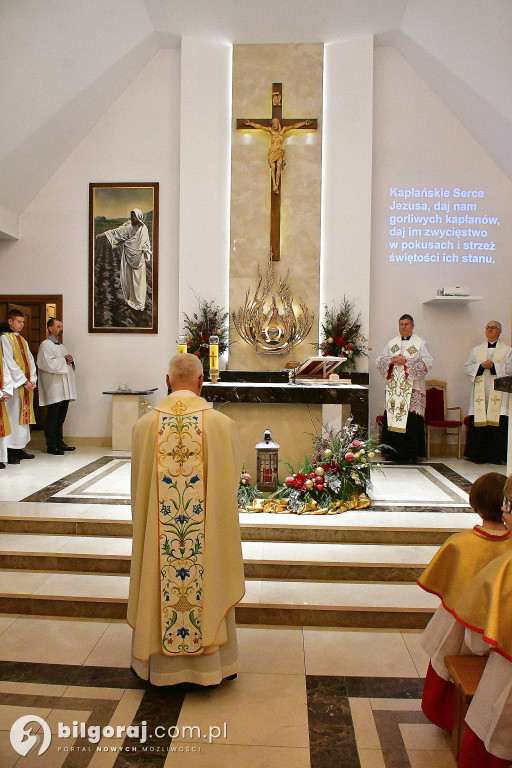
{"points": [[257, 400]]}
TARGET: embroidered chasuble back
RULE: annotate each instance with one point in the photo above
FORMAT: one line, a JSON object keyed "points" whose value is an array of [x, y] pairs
{"points": [[181, 523], [399, 384]]}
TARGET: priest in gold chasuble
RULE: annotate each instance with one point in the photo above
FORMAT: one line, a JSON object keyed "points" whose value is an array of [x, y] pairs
{"points": [[404, 363], [488, 410], [187, 571]]}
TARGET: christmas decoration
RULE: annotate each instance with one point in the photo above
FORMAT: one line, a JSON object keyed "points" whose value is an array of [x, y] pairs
{"points": [[341, 334]]}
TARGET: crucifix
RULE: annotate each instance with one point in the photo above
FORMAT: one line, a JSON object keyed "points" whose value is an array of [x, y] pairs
{"points": [[277, 127]]}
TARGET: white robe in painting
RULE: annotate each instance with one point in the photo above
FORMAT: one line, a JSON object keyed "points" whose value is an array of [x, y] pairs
{"points": [[20, 433], [223, 578], [135, 252], [56, 376]]}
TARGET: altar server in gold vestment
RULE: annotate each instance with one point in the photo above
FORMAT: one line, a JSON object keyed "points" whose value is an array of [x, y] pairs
{"points": [[485, 609], [460, 558], [187, 571]]}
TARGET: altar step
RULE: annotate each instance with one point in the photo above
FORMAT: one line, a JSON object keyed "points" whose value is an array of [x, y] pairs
{"points": [[262, 560], [309, 531], [291, 603]]}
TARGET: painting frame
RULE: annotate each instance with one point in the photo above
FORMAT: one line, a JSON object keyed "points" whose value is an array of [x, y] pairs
{"points": [[123, 279]]}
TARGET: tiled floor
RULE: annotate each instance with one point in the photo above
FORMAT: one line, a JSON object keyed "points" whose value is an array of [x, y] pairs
{"points": [[305, 695]]}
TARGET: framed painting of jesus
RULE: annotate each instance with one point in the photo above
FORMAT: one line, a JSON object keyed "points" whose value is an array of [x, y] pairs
{"points": [[123, 257]]}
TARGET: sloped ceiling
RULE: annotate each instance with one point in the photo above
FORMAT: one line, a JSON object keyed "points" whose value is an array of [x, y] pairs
{"points": [[64, 62]]}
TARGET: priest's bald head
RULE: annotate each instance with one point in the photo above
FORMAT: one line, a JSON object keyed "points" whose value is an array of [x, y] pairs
{"points": [[185, 372]]}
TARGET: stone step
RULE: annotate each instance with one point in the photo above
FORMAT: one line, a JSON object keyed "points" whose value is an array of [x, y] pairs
{"points": [[262, 560], [292, 603], [250, 532]]}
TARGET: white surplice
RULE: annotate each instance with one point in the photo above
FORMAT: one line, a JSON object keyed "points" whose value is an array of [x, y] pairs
{"points": [[56, 376]]}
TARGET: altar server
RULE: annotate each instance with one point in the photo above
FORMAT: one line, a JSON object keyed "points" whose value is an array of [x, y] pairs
{"points": [[488, 409], [18, 360], [56, 385], [404, 363], [6, 391], [485, 608], [460, 558], [187, 572]]}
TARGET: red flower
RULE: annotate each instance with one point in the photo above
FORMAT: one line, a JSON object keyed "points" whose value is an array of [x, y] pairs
{"points": [[350, 346], [197, 353], [339, 341]]}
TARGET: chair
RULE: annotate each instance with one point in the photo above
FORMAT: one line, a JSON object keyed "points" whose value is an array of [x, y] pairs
{"points": [[436, 410]]}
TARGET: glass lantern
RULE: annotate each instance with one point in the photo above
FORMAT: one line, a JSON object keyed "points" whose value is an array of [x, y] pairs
{"points": [[214, 359], [267, 460], [182, 345]]}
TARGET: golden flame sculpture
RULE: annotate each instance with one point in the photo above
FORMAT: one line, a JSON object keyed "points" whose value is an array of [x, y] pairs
{"points": [[266, 327]]}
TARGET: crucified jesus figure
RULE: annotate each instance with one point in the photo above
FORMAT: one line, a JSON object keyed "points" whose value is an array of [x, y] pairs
{"points": [[276, 152]]}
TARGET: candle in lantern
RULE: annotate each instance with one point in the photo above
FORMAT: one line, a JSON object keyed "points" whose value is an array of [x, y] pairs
{"points": [[182, 345], [214, 358]]}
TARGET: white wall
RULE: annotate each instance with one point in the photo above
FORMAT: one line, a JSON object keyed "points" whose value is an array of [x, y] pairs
{"points": [[205, 158], [418, 142], [347, 175], [136, 140]]}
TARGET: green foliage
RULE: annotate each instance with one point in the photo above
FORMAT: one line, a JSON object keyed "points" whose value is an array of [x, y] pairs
{"points": [[341, 334]]}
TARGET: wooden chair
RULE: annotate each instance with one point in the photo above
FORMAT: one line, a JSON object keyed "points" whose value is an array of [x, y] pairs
{"points": [[436, 412], [465, 671]]}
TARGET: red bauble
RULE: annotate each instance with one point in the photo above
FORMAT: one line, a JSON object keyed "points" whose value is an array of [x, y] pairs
{"points": [[319, 486], [349, 456], [289, 481]]}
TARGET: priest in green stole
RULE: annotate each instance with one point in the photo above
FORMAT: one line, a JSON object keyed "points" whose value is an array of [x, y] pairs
{"points": [[488, 410], [187, 570], [404, 363]]}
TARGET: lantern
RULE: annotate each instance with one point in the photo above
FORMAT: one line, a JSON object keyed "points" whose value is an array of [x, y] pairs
{"points": [[214, 359], [267, 459], [182, 345]]}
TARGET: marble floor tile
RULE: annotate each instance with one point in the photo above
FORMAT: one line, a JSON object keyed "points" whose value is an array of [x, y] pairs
{"points": [[364, 724], [424, 736], [50, 641], [6, 621], [113, 648], [8, 756], [267, 650], [86, 692], [431, 759], [258, 709], [371, 758], [10, 713], [52, 758], [252, 550], [252, 591], [25, 542], [357, 653], [66, 717], [244, 756], [31, 689], [420, 658], [407, 705]]}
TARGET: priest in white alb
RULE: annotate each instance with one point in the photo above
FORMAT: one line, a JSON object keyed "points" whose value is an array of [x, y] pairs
{"points": [[187, 572], [6, 391], [404, 363], [17, 358], [56, 386], [488, 409]]}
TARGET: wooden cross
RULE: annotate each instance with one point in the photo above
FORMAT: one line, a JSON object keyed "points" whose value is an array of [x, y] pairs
{"points": [[276, 156]]}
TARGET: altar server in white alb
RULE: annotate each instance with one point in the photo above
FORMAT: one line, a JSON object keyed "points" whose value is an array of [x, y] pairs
{"points": [[488, 409], [187, 572], [56, 386], [133, 236], [22, 369], [404, 363], [6, 391]]}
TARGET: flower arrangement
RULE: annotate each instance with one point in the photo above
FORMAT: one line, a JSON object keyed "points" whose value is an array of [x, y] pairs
{"points": [[209, 320], [341, 336], [332, 479]]}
